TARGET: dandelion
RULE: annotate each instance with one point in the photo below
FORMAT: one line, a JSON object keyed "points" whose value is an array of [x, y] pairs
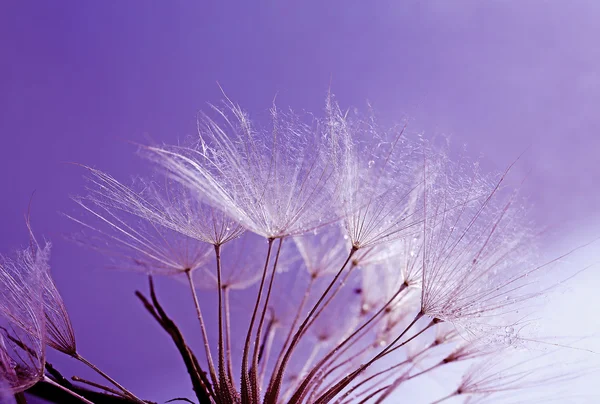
{"points": [[29, 320], [503, 374], [23, 337], [274, 181], [376, 170], [386, 262], [477, 249], [171, 234]]}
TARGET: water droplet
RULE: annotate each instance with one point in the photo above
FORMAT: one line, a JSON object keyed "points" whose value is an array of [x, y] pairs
{"points": [[508, 340], [371, 163], [345, 237], [509, 330]]}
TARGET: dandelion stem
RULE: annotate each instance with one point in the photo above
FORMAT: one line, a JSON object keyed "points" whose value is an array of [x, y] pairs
{"points": [[331, 353], [373, 394], [211, 366], [307, 363], [228, 334], [332, 392], [295, 321], [245, 377], [296, 318], [265, 351], [275, 384], [329, 299], [449, 396], [200, 383], [223, 379], [254, 370], [66, 390], [97, 385], [389, 369], [107, 377]]}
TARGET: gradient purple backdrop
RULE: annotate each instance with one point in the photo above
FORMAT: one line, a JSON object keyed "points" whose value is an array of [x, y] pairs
{"points": [[80, 78]]}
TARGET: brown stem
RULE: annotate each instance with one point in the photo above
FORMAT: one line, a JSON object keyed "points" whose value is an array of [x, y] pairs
{"points": [[228, 335], [66, 390], [224, 382], [257, 343], [275, 384], [200, 382], [209, 360], [300, 391], [107, 377], [329, 300], [52, 394], [97, 385], [335, 390], [449, 396], [295, 321], [265, 351], [246, 386]]}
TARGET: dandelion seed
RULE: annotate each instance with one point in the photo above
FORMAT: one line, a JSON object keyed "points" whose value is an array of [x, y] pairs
{"points": [[276, 182]]}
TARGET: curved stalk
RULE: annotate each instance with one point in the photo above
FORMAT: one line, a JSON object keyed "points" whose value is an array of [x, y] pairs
{"points": [[246, 386], [211, 366], [66, 390], [107, 377]]}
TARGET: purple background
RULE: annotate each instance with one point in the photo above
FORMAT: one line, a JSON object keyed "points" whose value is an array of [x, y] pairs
{"points": [[78, 79]]}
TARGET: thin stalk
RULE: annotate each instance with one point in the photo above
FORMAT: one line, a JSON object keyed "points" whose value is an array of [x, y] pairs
{"points": [[431, 324], [257, 343], [246, 387], [373, 394], [374, 376], [389, 369], [66, 390], [392, 387], [307, 362], [224, 383], [107, 377], [314, 371], [98, 386], [228, 335], [211, 366], [266, 352], [331, 393], [449, 396], [296, 318], [349, 346], [275, 384], [329, 300]]}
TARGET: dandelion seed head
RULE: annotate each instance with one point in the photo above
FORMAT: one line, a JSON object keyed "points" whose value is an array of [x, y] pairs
{"points": [[22, 323], [275, 181], [373, 257]]}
